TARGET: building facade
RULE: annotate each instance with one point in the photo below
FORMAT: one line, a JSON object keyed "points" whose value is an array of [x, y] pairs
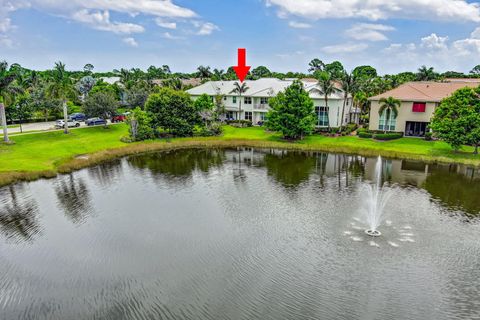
{"points": [[418, 103], [253, 105]]}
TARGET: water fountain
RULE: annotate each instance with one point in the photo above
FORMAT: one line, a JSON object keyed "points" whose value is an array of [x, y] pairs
{"points": [[376, 198]]}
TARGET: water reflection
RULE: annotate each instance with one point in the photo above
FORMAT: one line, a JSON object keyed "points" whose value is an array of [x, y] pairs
{"points": [[456, 186], [18, 215], [74, 198], [178, 165], [106, 173], [289, 168]]}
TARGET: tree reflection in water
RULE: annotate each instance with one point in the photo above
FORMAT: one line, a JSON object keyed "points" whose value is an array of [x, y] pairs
{"points": [[179, 165], [74, 198], [290, 168], [18, 216], [106, 173]]}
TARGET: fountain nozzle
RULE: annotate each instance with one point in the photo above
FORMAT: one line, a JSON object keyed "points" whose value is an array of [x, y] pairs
{"points": [[373, 233]]}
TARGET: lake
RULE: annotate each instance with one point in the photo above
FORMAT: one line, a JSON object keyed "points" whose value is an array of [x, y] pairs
{"points": [[241, 234]]}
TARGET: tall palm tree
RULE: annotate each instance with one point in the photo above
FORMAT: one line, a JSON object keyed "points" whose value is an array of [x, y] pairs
{"points": [[389, 105], [348, 86], [360, 100], [6, 79], [426, 74], [61, 88], [240, 89], [204, 72], [325, 82]]}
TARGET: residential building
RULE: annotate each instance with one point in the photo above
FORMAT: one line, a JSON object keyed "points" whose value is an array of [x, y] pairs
{"points": [[418, 103], [255, 101]]}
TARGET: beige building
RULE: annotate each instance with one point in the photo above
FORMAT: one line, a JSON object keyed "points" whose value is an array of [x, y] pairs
{"points": [[419, 100]]}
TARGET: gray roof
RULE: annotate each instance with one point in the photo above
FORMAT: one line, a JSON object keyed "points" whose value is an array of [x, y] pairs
{"points": [[265, 87]]}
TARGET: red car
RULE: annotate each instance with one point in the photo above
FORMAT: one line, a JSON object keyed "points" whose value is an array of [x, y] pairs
{"points": [[119, 118]]}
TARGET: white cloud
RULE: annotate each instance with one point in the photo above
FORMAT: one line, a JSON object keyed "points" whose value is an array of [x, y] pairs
{"points": [[96, 13], [130, 41], [101, 21], [345, 48], [299, 25], [434, 42], [450, 10], [165, 24], [168, 35], [368, 32], [205, 28]]}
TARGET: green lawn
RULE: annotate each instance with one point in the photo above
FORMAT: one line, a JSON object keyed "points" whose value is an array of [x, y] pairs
{"points": [[47, 150]]}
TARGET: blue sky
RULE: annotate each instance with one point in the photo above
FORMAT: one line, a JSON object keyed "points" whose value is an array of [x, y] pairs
{"points": [[284, 35]]}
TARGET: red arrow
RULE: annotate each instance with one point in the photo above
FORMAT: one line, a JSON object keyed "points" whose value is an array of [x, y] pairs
{"points": [[242, 69]]}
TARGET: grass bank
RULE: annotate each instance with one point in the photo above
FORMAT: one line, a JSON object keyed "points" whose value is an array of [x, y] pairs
{"points": [[43, 155]]}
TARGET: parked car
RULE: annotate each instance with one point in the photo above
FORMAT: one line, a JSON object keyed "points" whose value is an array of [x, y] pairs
{"points": [[119, 117], [71, 124], [78, 117], [95, 122]]}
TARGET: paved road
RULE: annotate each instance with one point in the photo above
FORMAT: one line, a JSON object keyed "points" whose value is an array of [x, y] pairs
{"points": [[37, 126]]}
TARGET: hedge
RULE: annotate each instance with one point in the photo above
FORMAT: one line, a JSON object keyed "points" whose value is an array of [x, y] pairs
{"points": [[365, 135], [387, 136]]}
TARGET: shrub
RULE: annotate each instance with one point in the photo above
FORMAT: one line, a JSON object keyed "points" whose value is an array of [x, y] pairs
{"points": [[350, 128], [428, 136], [215, 129], [240, 123], [365, 135], [387, 136]]}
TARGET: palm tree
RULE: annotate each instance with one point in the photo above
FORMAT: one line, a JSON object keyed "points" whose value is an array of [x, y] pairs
{"points": [[240, 89], [360, 100], [61, 88], [204, 72], [426, 74], [6, 79], [218, 74], [348, 84], [325, 82], [389, 105]]}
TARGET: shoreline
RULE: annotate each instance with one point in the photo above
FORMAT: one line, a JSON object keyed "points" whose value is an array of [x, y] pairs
{"points": [[81, 161]]}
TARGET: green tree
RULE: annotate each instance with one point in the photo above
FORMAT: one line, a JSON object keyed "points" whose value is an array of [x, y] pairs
{"points": [[88, 68], [389, 105], [364, 72], [23, 108], [292, 112], [205, 107], [100, 104], [6, 79], [173, 111], [204, 72], [261, 72], [240, 89], [457, 119], [348, 87], [335, 69], [316, 65], [426, 74], [61, 88], [476, 70], [140, 125], [325, 82]]}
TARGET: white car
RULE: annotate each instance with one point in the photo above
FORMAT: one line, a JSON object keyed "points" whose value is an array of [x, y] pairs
{"points": [[70, 123]]}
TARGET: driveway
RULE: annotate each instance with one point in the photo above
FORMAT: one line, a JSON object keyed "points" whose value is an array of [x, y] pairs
{"points": [[37, 126]]}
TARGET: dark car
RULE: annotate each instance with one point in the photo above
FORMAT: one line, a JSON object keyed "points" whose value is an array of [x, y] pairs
{"points": [[119, 118], [95, 122], [78, 117]]}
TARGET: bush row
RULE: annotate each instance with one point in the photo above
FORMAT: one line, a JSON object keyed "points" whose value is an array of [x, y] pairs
{"points": [[365, 134]]}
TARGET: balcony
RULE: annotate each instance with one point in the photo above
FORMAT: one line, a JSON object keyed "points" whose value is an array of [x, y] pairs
{"points": [[261, 106]]}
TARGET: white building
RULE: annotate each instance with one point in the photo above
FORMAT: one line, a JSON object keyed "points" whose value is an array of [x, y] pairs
{"points": [[255, 106]]}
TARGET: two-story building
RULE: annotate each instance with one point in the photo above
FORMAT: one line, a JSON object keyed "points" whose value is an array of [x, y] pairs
{"points": [[254, 105], [418, 103]]}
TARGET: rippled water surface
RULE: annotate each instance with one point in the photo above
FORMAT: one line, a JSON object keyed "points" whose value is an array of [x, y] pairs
{"points": [[241, 234]]}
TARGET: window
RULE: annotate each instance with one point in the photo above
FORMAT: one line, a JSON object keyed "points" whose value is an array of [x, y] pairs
{"points": [[419, 107], [230, 115], [387, 121], [263, 116], [322, 113], [248, 100], [234, 99], [263, 100], [248, 115]]}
